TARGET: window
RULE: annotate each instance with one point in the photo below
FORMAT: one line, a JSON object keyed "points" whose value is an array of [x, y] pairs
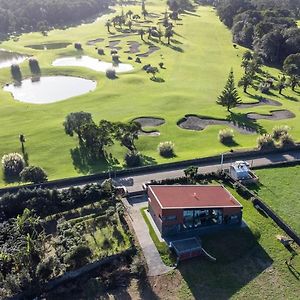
{"points": [[170, 218]]}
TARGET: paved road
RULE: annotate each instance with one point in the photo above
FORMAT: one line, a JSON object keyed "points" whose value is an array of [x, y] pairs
{"points": [[134, 183], [155, 264]]}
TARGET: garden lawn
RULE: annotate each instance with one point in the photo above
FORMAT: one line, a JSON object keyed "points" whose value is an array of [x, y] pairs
{"points": [[280, 189], [197, 65], [250, 263]]}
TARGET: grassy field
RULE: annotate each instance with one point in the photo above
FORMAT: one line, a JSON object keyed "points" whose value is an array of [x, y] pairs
{"points": [[279, 188], [197, 65]]}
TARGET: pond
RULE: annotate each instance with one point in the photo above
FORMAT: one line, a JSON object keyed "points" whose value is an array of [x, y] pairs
{"points": [[48, 46], [8, 58], [50, 89], [91, 63]]}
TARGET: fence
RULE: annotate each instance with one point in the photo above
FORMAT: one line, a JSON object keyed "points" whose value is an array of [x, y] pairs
{"points": [[61, 183]]}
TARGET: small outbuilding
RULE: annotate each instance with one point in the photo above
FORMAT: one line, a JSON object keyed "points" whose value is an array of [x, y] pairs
{"points": [[177, 209]]}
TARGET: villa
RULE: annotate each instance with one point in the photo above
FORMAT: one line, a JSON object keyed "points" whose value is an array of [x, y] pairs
{"points": [[176, 209]]}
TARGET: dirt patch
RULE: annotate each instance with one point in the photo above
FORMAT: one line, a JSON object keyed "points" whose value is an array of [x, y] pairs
{"points": [[261, 102], [114, 44], [151, 50], [192, 122], [134, 47], [149, 122], [93, 42], [274, 115]]}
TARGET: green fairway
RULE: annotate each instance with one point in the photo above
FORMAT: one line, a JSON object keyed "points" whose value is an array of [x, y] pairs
{"points": [[197, 66], [280, 189]]}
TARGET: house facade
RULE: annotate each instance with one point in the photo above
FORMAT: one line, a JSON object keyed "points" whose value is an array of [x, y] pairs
{"points": [[177, 209]]}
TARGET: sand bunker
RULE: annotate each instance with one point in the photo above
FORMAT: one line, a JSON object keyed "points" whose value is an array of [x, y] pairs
{"points": [[193, 122], [93, 42], [261, 102], [134, 47], [149, 122], [114, 44], [274, 115], [151, 50]]}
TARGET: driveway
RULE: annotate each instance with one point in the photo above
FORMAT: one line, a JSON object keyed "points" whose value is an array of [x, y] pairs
{"points": [[155, 264]]}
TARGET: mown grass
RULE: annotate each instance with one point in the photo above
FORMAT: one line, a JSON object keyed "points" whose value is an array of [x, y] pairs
{"points": [[280, 189], [162, 247], [251, 263], [194, 77]]}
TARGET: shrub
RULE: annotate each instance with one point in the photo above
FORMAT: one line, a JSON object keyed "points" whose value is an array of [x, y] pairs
{"points": [[278, 131], [264, 87], [133, 159], [13, 164], [286, 140], [78, 46], [138, 60], [115, 58], [33, 174], [113, 51], [166, 149], [111, 73], [34, 66], [226, 136], [100, 51], [16, 72], [265, 142], [145, 67]]}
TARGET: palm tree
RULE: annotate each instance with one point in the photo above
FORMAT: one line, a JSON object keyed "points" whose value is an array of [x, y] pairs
{"points": [[168, 34], [22, 141], [246, 81], [281, 84], [141, 33], [129, 14], [294, 81], [229, 97], [108, 24]]}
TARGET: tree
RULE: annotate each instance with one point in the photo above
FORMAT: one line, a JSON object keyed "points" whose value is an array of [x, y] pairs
{"points": [[246, 81], [129, 14], [145, 13], [22, 140], [141, 33], [247, 56], [291, 64], [191, 172], [168, 34], [108, 24], [281, 84], [127, 134], [229, 97], [33, 174], [34, 66], [129, 24], [16, 72], [153, 71], [75, 121], [294, 81]]}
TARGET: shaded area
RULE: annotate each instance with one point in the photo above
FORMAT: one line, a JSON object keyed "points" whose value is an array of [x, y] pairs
{"points": [[7, 58], [240, 259], [274, 115], [194, 122]]}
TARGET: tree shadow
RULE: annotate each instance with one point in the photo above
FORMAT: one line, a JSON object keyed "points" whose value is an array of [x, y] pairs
{"points": [[175, 48], [240, 259], [83, 162], [148, 160], [291, 98], [190, 13], [157, 79], [230, 143], [241, 120]]}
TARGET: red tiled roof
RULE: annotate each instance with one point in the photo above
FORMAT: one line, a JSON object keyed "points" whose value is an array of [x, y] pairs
{"points": [[193, 196]]}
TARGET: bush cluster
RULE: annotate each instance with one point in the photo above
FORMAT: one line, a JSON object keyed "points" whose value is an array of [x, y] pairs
{"points": [[13, 164], [266, 142], [47, 202], [33, 174], [226, 136], [133, 159], [166, 149]]}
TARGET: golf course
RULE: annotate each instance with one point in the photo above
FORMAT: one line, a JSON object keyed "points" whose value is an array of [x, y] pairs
{"points": [[196, 65]]}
